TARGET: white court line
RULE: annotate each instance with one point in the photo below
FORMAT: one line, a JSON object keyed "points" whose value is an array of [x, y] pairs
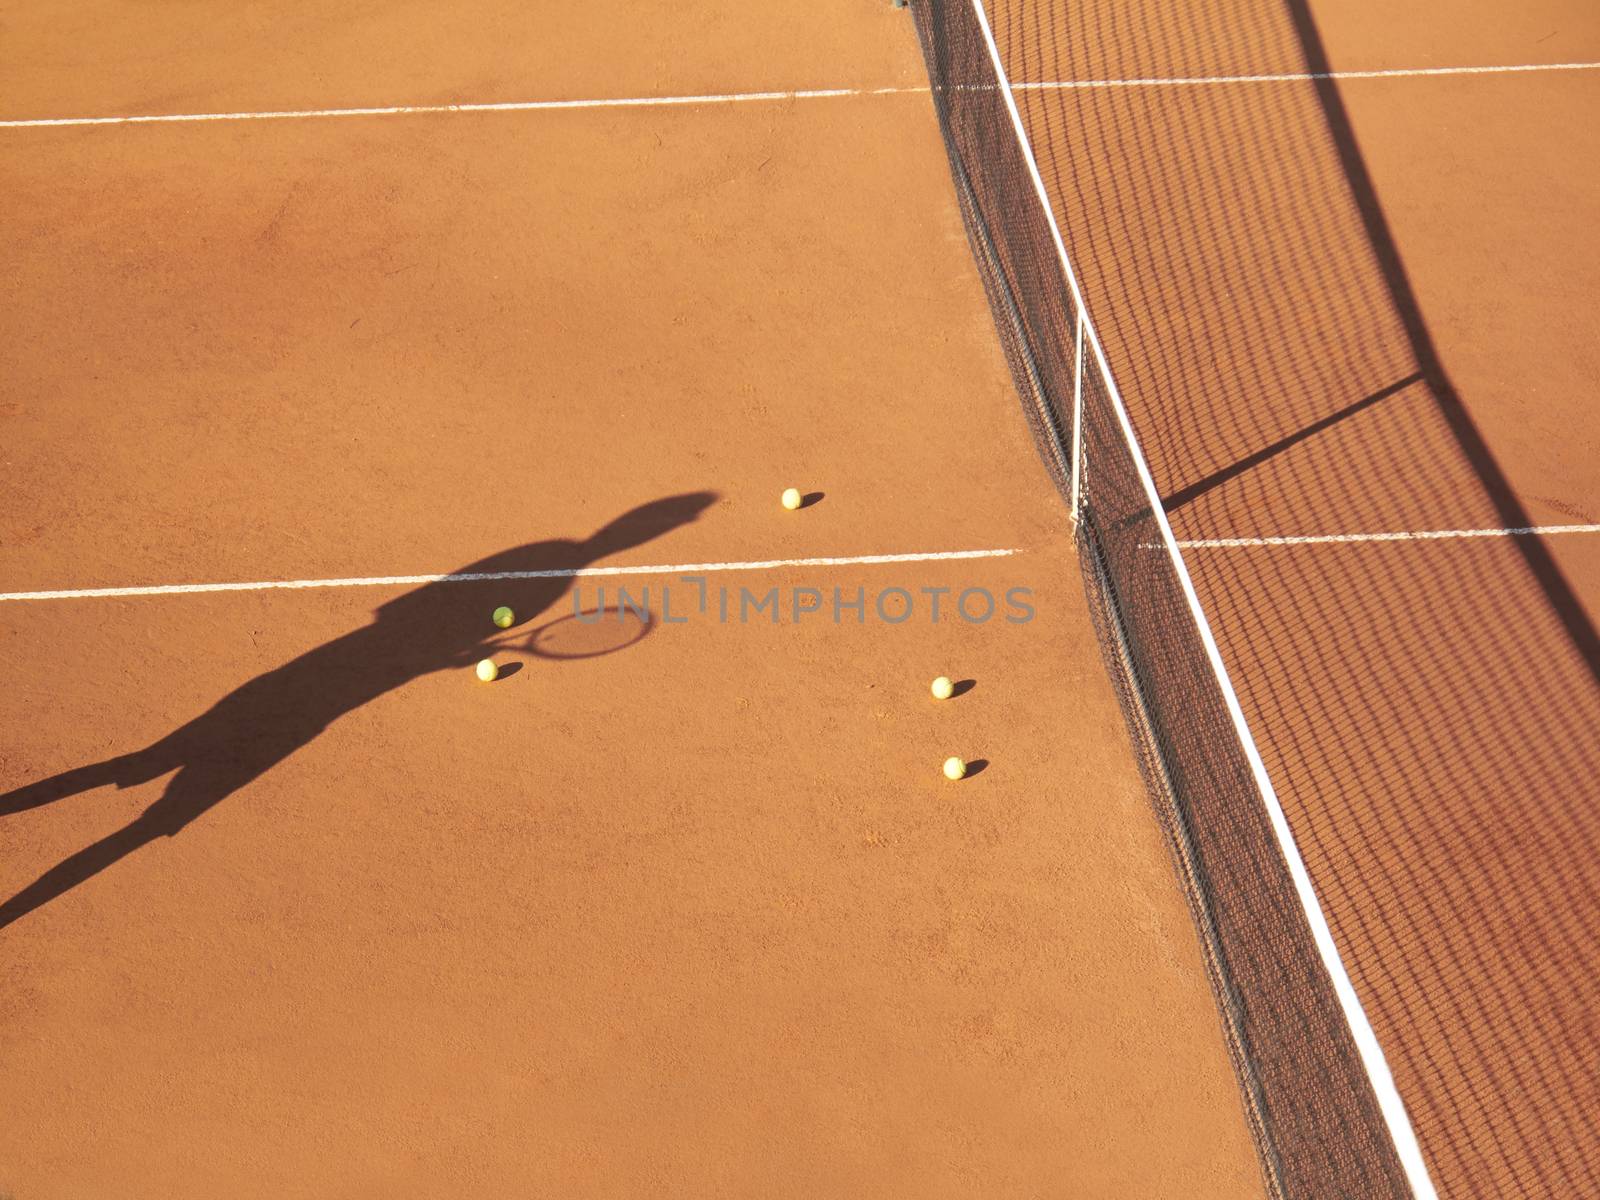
{"points": [[1299, 77], [1420, 535], [507, 106], [184, 589], [390, 110]]}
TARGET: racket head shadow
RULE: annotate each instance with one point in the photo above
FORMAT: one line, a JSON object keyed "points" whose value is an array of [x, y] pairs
{"points": [[589, 634]]}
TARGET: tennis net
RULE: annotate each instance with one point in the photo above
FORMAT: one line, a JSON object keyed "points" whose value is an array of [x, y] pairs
{"points": [[1317, 1093]]}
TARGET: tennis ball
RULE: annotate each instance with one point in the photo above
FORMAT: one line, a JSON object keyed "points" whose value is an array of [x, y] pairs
{"points": [[487, 671], [954, 768], [503, 617], [943, 689], [791, 498]]}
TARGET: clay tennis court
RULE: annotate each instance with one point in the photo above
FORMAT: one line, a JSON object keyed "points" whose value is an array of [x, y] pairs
{"points": [[292, 905], [695, 916]]}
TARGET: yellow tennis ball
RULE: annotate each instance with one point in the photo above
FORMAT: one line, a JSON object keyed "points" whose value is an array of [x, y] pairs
{"points": [[503, 617], [943, 689], [791, 498], [487, 671], [954, 768]]}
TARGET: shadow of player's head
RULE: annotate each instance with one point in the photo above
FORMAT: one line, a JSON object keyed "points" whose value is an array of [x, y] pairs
{"points": [[526, 578], [640, 525]]}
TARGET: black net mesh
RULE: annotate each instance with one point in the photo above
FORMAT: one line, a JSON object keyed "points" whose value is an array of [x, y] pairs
{"points": [[1311, 1107]]}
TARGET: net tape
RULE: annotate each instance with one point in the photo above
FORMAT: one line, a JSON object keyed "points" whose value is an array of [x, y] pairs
{"points": [[1321, 1107]]}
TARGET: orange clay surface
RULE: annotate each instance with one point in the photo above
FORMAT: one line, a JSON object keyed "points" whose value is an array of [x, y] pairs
{"points": [[1368, 306], [696, 916]]}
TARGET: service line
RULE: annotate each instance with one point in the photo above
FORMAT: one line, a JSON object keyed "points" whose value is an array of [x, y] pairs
{"points": [[184, 589], [391, 110], [1409, 535], [510, 106], [1299, 76]]}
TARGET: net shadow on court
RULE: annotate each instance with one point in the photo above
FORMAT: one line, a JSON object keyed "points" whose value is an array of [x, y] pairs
{"points": [[1426, 710]]}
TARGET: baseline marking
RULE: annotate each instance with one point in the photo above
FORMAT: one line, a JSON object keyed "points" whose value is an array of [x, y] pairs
{"points": [[184, 589], [1422, 535], [390, 110]]}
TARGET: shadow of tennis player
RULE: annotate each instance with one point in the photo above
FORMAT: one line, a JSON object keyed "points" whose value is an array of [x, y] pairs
{"points": [[253, 728]]}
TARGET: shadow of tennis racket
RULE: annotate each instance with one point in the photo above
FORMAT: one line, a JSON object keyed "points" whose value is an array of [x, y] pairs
{"points": [[588, 634]]}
